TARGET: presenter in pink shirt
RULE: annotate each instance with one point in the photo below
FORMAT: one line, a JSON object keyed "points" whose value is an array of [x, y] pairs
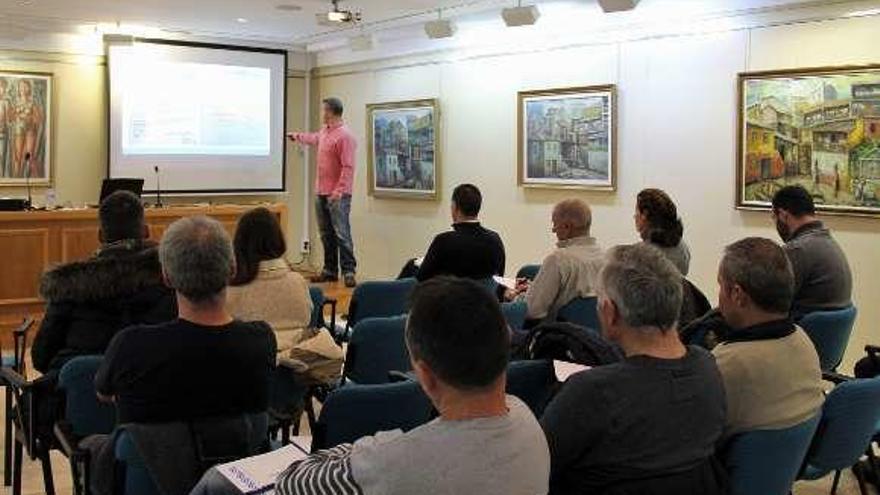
{"points": [[336, 147]]}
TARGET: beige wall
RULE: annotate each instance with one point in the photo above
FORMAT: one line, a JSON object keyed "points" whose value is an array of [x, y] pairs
{"points": [[676, 131], [80, 134]]}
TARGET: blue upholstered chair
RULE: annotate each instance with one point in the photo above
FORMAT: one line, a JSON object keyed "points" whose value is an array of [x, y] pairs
{"points": [[84, 414], [379, 300], [319, 302], [830, 331], [766, 462], [354, 411], [849, 420], [581, 311], [533, 382], [134, 477], [515, 314], [528, 272], [377, 346]]}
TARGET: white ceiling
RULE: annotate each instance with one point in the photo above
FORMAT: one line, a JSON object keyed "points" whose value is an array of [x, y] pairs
{"points": [[219, 19]]}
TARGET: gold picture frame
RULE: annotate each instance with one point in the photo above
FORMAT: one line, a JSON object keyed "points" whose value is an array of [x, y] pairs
{"points": [[567, 138], [403, 152], [818, 127], [26, 125]]}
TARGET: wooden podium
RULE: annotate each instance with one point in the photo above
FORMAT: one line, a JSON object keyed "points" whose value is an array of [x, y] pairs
{"points": [[33, 241]]}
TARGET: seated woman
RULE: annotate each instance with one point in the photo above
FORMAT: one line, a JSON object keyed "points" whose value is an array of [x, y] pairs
{"points": [[264, 287], [658, 224]]}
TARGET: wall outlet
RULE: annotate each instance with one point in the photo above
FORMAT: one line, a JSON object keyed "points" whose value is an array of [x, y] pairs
{"points": [[306, 247]]}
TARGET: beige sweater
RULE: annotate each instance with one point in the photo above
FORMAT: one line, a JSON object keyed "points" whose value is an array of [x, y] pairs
{"points": [[770, 384], [278, 296], [569, 272]]}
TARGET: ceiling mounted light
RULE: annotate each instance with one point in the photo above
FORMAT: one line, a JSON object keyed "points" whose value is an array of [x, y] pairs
{"points": [[609, 6], [440, 28], [338, 16], [242, 20], [520, 16]]}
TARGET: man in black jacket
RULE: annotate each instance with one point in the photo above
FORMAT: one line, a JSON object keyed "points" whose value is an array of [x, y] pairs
{"points": [[469, 250], [89, 301]]}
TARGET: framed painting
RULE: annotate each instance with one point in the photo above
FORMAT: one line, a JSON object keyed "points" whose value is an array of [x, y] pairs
{"points": [[567, 138], [819, 128], [25, 128], [403, 159]]}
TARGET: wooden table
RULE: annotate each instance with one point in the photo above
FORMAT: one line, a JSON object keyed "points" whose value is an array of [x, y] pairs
{"points": [[33, 241]]}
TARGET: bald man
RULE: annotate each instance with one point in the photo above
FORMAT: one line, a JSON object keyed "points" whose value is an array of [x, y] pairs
{"points": [[568, 272]]}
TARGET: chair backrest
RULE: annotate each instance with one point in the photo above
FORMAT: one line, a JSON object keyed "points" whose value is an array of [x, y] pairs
{"points": [[380, 299], [134, 477], [376, 347], [83, 411], [515, 314], [353, 411], [528, 272], [849, 421], [829, 331], [533, 382], [766, 462], [581, 311], [317, 296]]}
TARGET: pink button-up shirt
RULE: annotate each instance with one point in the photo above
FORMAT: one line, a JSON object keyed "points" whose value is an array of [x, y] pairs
{"points": [[336, 147]]}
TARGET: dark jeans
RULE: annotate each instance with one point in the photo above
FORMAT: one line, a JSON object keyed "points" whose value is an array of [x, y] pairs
{"points": [[336, 234]]}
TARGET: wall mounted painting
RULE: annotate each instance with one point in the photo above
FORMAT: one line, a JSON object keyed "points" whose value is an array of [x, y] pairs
{"points": [[25, 130], [403, 157], [567, 138], [819, 128]]}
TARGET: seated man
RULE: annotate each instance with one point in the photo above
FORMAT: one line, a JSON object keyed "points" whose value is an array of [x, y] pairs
{"points": [[569, 272], [483, 442], [202, 365], [822, 276], [469, 250], [769, 365], [648, 424], [89, 301]]}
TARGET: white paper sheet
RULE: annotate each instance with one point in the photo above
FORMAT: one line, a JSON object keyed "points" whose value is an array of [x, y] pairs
{"points": [[258, 474]]}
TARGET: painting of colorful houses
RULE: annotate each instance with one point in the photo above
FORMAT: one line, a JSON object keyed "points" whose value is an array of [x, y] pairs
{"points": [[402, 156], [816, 128], [566, 138]]}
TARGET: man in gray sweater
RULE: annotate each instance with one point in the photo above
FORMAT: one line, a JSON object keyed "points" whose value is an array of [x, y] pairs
{"points": [[822, 276]]}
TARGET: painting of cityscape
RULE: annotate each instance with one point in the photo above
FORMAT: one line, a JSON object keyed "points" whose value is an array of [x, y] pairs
{"points": [[567, 138], [402, 157], [819, 128]]}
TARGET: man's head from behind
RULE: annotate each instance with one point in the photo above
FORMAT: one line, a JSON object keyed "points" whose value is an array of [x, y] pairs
{"points": [[756, 282], [571, 218], [640, 293], [197, 259], [457, 338], [122, 217], [792, 207], [466, 203]]}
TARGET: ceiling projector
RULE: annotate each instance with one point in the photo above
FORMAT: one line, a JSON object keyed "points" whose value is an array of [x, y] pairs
{"points": [[337, 16]]}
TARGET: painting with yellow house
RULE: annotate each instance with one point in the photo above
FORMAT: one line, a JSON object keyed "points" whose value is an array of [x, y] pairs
{"points": [[819, 128]]}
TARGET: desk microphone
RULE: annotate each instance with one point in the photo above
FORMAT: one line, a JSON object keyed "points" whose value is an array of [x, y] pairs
{"points": [[27, 179], [158, 187]]}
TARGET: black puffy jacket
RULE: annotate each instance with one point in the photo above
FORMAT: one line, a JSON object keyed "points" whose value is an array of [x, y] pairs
{"points": [[89, 301]]}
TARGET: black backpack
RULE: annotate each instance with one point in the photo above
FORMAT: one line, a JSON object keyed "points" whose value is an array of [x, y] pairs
{"points": [[568, 342]]}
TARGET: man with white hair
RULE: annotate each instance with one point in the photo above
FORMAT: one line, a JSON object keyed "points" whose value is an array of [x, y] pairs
{"points": [[649, 423], [571, 270]]}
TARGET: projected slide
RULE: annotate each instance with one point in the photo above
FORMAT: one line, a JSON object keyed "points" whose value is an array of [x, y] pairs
{"points": [[197, 118], [197, 109]]}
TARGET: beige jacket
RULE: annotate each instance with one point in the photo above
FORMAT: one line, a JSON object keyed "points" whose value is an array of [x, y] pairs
{"points": [[280, 297], [569, 272], [770, 384]]}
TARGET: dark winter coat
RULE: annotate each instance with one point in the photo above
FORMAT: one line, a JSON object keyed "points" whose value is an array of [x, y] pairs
{"points": [[89, 301]]}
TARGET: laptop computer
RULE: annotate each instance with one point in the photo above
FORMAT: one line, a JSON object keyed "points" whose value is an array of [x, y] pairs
{"points": [[110, 186]]}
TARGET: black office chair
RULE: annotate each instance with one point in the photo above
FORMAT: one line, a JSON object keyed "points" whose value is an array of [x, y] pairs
{"points": [[16, 362]]}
